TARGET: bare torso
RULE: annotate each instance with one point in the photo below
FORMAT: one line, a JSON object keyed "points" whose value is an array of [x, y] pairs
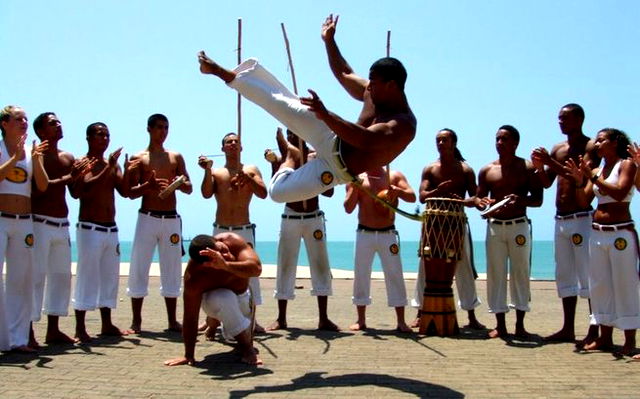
{"points": [[566, 201], [53, 202], [503, 180], [233, 201], [97, 198], [167, 165], [370, 212]]}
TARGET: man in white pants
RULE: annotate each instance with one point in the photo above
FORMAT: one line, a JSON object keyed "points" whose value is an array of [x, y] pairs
{"points": [[377, 234], [233, 186], [98, 271], [302, 220], [342, 148], [159, 224], [19, 167], [217, 277], [508, 229], [451, 177]]}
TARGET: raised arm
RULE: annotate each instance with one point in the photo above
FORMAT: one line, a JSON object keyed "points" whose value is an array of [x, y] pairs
{"points": [[351, 199], [400, 188], [352, 83]]}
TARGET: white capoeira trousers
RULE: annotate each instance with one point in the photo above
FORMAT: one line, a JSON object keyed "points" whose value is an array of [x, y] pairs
{"points": [[613, 279], [256, 84], [465, 280], [508, 247], [166, 233], [98, 268], [248, 233], [386, 245], [52, 263], [571, 242], [232, 310], [16, 291], [309, 227]]}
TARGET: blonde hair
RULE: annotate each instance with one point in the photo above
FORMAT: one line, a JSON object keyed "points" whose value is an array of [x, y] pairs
{"points": [[6, 113]]}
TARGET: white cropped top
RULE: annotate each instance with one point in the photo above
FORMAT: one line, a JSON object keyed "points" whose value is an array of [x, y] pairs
{"points": [[18, 181], [613, 179]]}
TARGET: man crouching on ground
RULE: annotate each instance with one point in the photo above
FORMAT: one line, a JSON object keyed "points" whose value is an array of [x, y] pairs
{"points": [[217, 276]]}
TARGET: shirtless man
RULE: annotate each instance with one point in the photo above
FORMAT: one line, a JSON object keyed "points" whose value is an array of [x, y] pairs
{"points": [[344, 149], [97, 276], [377, 233], [301, 220], [217, 277], [51, 231], [159, 224], [573, 222], [508, 229], [20, 165], [233, 186], [451, 177]]}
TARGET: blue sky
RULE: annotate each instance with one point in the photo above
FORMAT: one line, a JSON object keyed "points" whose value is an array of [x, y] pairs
{"points": [[472, 66]]}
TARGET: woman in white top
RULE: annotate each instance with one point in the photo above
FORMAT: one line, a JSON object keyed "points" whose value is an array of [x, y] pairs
{"points": [[19, 165], [614, 285]]}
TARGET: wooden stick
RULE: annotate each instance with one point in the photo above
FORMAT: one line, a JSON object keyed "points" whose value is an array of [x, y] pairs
{"points": [[388, 54], [239, 102], [295, 90]]}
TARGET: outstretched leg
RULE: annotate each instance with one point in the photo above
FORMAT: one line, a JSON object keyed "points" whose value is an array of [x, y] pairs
{"points": [[210, 67]]}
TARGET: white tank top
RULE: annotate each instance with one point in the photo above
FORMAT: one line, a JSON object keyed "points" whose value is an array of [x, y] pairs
{"points": [[613, 179], [18, 181]]}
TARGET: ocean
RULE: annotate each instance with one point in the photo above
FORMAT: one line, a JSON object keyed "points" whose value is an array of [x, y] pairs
{"points": [[341, 256]]}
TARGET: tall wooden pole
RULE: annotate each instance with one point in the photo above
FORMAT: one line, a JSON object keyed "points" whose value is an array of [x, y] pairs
{"points": [[388, 55], [239, 102]]}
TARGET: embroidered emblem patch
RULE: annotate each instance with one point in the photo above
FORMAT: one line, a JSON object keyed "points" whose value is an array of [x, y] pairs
{"points": [[394, 249], [326, 178], [577, 239], [17, 175], [174, 238], [521, 240], [318, 234], [118, 249], [28, 240], [620, 244]]}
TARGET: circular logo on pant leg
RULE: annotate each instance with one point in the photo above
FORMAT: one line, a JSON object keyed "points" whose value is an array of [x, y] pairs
{"points": [[394, 249], [17, 175], [620, 244], [576, 239], [118, 249], [174, 238], [521, 240], [318, 234], [28, 240], [326, 177]]}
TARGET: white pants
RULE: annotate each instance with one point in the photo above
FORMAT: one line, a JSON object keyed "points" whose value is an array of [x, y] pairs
{"points": [[166, 234], [233, 311], [509, 241], [465, 280], [52, 263], [386, 244], [98, 268], [16, 292], [613, 279], [248, 233], [311, 228], [316, 176], [571, 243]]}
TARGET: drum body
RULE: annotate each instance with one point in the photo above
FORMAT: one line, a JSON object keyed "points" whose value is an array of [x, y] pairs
{"points": [[440, 249]]}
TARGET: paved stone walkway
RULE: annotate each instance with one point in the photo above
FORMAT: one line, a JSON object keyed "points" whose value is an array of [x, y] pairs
{"points": [[301, 362]]}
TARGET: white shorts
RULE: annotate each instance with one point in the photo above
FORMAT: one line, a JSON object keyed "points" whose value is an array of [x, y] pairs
{"points": [[386, 244], [233, 311], [166, 233], [508, 240], [571, 243], [613, 279], [256, 84], [311, 228], [98, 271], [464, 278], [248, 233], [16, 292], [52, 263]]}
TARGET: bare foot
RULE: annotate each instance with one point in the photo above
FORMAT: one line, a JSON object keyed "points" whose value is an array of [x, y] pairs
{"points": [[203, 326], [592, 335], [258, 329], [175, 327], [210, 333], [33, 344], [208, 66], [561, 336], [404, 328], [522, 333], [415, 323], [58, 337], [136, 327], [277, 325], [250, 357], [475, 325], [327, 325], [636, 357], [23, 349], [599, 344], [114, 331], [358, 327], [628, 348], [82, 337], [497, 333]]}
